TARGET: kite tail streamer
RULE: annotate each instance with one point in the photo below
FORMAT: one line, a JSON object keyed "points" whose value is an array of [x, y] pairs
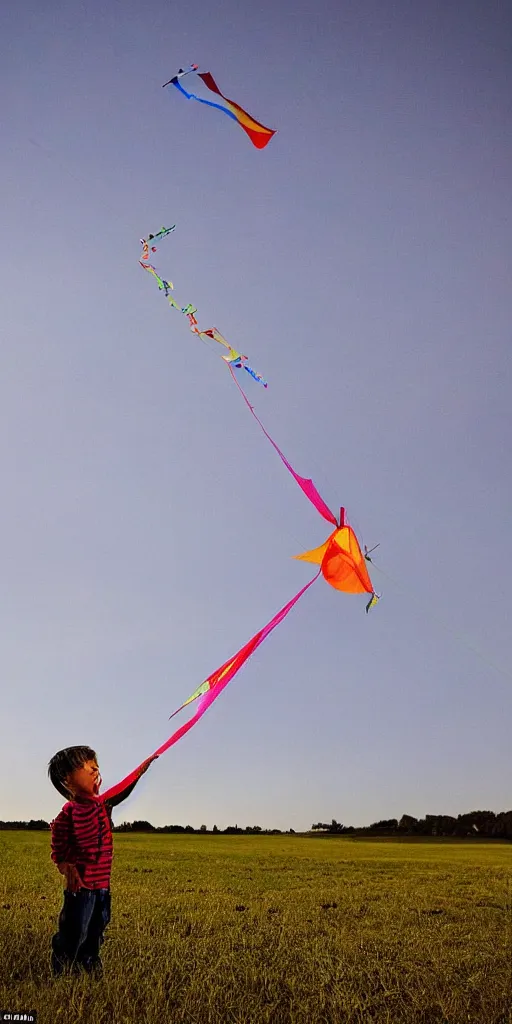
{"points": [[257, 376], [307, 486], [213, 686], [235, 358]]}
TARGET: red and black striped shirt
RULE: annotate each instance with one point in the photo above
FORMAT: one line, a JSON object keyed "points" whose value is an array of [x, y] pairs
{"points": [[82, 835]]}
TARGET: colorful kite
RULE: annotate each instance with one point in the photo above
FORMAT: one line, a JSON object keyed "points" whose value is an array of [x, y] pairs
{"points": [[342, 562], [259, 135]]}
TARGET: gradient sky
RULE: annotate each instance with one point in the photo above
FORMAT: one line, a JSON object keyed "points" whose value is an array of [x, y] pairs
{"points": [[363, 262]]}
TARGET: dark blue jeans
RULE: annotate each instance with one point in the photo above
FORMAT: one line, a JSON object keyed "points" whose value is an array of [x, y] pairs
{"points": [[82, 921]]}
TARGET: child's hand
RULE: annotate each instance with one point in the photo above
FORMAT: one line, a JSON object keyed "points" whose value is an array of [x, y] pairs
{"points": [[73, 881]]}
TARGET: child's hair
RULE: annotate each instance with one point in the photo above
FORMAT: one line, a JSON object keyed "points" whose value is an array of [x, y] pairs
{"points": [[64, 762]]}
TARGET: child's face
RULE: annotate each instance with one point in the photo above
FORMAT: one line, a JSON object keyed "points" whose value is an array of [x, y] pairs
{"points": [[84, 781]]}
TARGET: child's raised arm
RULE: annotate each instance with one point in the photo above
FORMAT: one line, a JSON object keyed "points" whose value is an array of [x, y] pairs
{"points": [[118, 795]]}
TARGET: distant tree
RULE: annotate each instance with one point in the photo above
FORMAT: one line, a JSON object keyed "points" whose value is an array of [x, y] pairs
{"points": [[215, 830], [504, 824], [142, 826], [39, 825], [387, 823], [445, 825], [189, 828], [203, 828], [438, 825], [425, 827], [407, 823], [479, 822], [336, 826]]}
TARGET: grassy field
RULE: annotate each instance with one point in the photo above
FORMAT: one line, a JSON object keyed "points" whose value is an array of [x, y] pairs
{"points": [[271, 930]]}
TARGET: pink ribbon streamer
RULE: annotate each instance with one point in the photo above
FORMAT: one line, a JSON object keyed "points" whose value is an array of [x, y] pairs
{"points": [[307, 486], [208, 698]]}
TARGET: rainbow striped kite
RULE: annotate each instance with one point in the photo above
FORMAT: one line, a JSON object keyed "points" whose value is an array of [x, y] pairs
{"points": [[259, 135]]}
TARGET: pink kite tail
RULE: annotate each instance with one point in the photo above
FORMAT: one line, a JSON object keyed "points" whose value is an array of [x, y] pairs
{"points": [[307, 486], [246, 652], [218, 681]]}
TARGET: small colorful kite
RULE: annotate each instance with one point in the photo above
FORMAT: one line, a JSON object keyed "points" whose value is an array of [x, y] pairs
{"points": [[259, 135], [342, 562]]}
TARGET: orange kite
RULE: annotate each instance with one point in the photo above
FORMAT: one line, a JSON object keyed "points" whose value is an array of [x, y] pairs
{"points": [[342, 562]]}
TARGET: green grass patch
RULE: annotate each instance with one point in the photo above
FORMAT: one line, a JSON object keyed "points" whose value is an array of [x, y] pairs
{"points": [[271, 930]]}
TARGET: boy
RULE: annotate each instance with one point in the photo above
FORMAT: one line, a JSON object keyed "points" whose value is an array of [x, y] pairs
{"points": [[82, 851]]}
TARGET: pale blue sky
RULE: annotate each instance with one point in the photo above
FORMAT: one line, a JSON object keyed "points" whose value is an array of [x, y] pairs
{"points": [[363, 262]]}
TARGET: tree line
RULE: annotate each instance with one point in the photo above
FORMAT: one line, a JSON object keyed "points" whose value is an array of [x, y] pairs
{"points": [[485, 824]]}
